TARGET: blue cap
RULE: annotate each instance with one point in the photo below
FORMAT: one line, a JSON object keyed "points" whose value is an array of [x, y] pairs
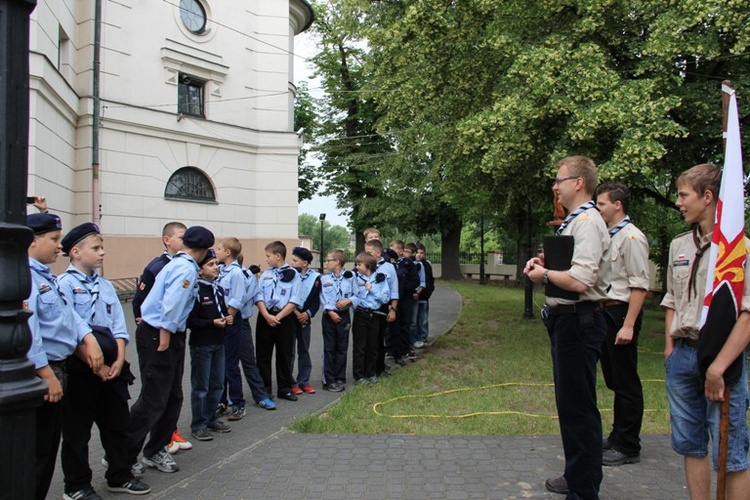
{"points": [[77, 234], [303, 253], [43, 223], [210, 254], [198, 237]]}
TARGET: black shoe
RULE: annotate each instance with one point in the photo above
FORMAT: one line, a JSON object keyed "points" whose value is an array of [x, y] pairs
{"points": [[289, 396], [613, 458], [606, 443], [557, 485], [135, 487], [83, 494]]}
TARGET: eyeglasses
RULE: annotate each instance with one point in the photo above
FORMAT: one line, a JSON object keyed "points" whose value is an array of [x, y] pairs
{"points": [[558, 180]]}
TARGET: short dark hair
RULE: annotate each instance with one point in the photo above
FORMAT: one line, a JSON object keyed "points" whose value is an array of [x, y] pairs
{"points": [[276, 247], [617, 191], [420, 246], [411, 247]]}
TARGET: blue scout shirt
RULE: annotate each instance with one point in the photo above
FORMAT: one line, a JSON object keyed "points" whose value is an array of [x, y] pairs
{"points": [[390, 277], [56, 330], [172, 297], [334, 288], [95, 300], [307, 281], [375, 297], [232, 281], [277, 291], [251, 290]]}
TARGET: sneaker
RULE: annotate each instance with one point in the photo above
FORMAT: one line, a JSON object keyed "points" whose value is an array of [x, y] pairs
{"points": [[222, 409], [137, 469], [418, 344], [308, 389], [267, 404], [373, 380], [173, 447], [411, 355], [162, 461], [135, 487], [333, 387], [83, 494], [220, 426], [237, 413], [183, 443], [361, 381], [296, 390], [202, 435], [289, 396]]}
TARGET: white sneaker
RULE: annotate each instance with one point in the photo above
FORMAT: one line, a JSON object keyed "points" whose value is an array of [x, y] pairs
{"points": [[162, 461], [137, 469], [418, 344]]}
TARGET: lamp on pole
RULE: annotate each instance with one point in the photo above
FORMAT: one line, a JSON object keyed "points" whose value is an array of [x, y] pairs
{"points": [[21, 391], [322, 255]]}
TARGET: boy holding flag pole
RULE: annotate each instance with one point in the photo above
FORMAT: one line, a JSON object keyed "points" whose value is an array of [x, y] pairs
{"points": [[707, 333]]}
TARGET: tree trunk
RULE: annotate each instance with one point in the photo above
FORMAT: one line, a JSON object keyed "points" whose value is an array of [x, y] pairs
{"points": [[451, 239]]}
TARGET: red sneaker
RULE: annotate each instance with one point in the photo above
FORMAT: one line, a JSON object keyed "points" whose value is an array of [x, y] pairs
{"points": [[180, 441], [308, 389], [296, 390]]}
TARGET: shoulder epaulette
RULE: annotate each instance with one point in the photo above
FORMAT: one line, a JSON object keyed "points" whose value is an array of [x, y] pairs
{"points": [[348, 274], [287, 275], [379, 277]]}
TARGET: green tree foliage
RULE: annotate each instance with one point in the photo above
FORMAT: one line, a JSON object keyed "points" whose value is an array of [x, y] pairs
{"points": [[333, 236], [305, 119]]}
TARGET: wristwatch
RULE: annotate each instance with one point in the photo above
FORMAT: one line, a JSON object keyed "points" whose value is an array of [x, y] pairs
{"points": [[545, 276]]}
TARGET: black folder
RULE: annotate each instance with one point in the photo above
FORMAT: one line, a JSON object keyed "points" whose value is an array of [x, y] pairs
{"points": [[558, 256]]}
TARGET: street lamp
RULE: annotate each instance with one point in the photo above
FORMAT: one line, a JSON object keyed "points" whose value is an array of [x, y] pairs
{"points": [[322, 255], [21, 391]]}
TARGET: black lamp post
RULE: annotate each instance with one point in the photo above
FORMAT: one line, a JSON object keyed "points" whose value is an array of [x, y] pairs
{"points": [[322, 255], [20, 390]]}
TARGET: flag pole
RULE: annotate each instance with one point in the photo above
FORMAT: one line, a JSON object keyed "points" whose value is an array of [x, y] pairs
{"points": [[721, 475]]}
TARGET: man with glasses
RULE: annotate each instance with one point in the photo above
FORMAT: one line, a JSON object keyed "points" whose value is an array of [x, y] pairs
{"points": [[576, 326]]}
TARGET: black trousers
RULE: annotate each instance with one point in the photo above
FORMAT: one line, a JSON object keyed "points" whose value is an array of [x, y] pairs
{"points": [[576, 341], [335, 347], [89, 400], [620, 369], [365, 335], [401, 328], [48, 430], [281, 338], [158, 407]]}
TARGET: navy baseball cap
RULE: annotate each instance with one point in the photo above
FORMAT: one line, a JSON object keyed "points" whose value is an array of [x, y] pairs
{"points": [[43, 223], [77, 234], [198, 237], [303, 253]]}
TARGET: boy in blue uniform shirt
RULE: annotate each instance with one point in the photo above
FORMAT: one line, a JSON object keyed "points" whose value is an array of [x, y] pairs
{"points": [[56, 332], [336, 290], [103, 397], [310, 292], [160, 340], [375, 248], [372, 293], [277, 297]]}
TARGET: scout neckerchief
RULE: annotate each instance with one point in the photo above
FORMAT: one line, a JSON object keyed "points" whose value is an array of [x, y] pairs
{"points": [[91, 284], [218, 293], [700, 249], [337, 284], [572, 215], [624, 222], [278, 272], [45, 272]]}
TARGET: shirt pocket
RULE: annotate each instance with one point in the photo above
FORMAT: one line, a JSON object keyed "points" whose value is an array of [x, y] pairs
{"points": [[48, 304], [82, 304], [681, 277]]}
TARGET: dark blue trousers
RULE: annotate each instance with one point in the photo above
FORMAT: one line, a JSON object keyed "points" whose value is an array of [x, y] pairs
{"points": [[232, 375], [576, 345], [335, 347]]}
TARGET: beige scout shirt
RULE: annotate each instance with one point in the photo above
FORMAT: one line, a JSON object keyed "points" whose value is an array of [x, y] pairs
{"points": [[628, 254], [687, 313], [590, 263]]}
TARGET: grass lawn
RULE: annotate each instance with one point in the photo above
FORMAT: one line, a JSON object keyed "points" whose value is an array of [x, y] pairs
{"points": [[491, 374]]}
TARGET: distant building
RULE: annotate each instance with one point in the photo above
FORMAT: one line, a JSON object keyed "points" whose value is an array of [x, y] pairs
{"points": [[195, 119]]}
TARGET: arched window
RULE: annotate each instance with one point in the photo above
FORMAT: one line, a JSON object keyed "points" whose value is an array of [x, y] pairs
{"points": [[189, 183]]}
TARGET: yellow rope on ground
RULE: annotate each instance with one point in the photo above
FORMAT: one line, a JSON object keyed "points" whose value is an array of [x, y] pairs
{"points": [[376, 406]]}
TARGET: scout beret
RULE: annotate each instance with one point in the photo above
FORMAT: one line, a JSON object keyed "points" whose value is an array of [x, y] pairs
{"points": [[303, 253], [77, 234], [43, 223], [209, 255], [198, 237]]}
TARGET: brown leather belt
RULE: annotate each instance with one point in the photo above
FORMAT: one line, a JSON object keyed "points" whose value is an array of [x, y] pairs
{"points": [[613, 303]]}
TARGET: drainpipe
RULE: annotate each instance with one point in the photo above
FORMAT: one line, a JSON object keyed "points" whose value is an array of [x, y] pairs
{"points": [[95, 207]]}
